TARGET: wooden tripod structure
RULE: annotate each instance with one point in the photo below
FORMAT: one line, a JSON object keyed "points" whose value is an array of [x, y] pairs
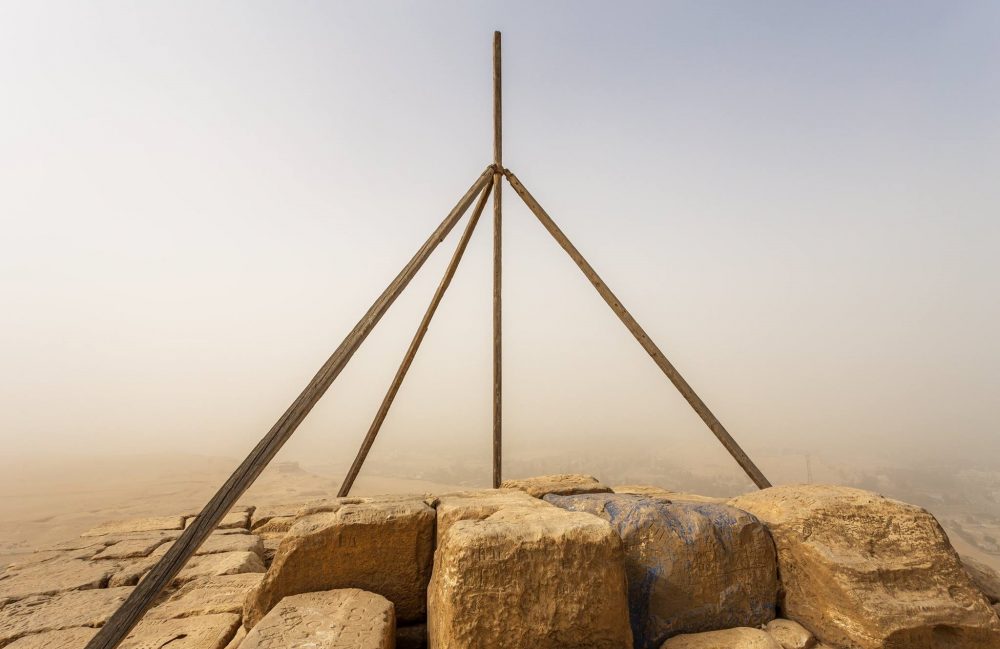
{"points": [[145, 593]]}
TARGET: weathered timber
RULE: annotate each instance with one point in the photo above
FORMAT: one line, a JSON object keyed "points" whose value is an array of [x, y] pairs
{"points": [[640, 335], [411, 352], [497, 268], [132, 610]]}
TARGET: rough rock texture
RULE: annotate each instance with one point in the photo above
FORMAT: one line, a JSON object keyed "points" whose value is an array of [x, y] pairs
{"points": [[384, 547], [865, 572], [791, 634], [133, 548], [82, 608], [564, 484], [659, 492], [53, 576], [137, 525], [223, 594], [218, 543], [241, 634], [542, 578], [333, 619], [208, 565], [477, 505], [691, 566], [198, 632], [738, 638], [75, 638], [985, 578]]}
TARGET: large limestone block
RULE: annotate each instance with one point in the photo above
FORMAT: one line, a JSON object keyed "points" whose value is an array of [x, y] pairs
{"points": [[790, 634], [563, 484], [75, 638], [53, 576], [691, 566], [347, 618], [985, 578], [197, 632], [477, 505], [134, 548], [541, 577], [385, 547], [738, 638], [223, 594], [862, 571], [42, 613]]}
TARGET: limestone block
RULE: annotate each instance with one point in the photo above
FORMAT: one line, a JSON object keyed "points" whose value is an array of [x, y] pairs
{"points": [[865, 572], [332, 619], [385, 547], [529, 577]]}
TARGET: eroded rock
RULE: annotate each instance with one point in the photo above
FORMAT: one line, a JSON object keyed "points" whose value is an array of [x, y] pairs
{"points": [[207, 565], [529, 577], [477, 505], [866, 572], [691, 566], [563, 484], [74, 638], [738, 638], [207, 596], [659, 492], [790, 634], [384, 547], [985, 578], [40, 613], [333, 619], [197, 632], [53, 576]]}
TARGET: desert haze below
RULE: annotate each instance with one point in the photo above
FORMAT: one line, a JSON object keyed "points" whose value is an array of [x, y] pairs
{"points": [[46, 501]]}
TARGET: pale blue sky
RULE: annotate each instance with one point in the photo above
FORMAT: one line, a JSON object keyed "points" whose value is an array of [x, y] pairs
{"points": [[798, 200]]}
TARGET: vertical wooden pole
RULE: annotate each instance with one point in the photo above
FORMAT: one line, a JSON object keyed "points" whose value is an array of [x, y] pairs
{"points": [[411, 352], [497, 248], [640, 335], [144, 594]]}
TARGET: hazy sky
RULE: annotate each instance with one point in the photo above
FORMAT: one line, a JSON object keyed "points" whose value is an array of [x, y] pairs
{"points": [[798, 200]]}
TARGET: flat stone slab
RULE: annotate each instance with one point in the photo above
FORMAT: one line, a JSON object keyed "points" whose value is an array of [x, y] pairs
{"points": [[197, 632], [223, 594], [563, 484], [39, 613], [75, 638], [137, 525], [738, 638], [141, 546], [53, 576], [206, 565], [220, 542], [334, 619]]}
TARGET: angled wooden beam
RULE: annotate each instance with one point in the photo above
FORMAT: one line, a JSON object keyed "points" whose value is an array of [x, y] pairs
{"points": [[411, 352], [640, 335], [497, 259], [126, 617]]}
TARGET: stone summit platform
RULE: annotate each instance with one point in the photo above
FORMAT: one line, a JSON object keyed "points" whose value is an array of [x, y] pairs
{"points": [[549, 563]]}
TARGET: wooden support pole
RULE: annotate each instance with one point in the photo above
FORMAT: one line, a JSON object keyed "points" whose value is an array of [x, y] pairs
{"points": [[497, 268], [411, 352], [130, 612], [661, 361]]}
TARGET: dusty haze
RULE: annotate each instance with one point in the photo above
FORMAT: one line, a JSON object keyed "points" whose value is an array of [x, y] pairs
{"points": [[798, 202]]}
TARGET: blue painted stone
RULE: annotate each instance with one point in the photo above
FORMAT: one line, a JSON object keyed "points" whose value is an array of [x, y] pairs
{"points": [[691, 566]]}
